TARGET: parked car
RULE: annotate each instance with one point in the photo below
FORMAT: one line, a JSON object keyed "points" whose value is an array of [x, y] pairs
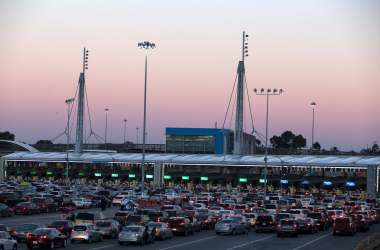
{"points": [[20, 232], [160, 230], [64, 226], [135, 234], [121, 217], [137, 219], [108, 228], [180, 225], [7, 242], [5, 211], [46, 238], [26, 208], [45, 204], [344, 225], [86, 233], [228, 226], [287, 227]]}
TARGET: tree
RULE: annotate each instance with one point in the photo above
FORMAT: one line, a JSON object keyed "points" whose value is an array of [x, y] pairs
{"points": [[44, 142], [334, 149], [298, 142], [7, 136], [316, 146], [375, 148], [288, 140]]}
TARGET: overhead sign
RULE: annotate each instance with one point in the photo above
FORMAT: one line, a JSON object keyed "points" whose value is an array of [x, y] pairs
{"points": [[243, 180], [204, 178], [149, 176], [167, 177], [185, 178], [305, 182], [261, 180], [49, 173], [81, 174], [284, 182], [131, 175], [327, 183], [114, 175], [98, 174], [350, 184]]}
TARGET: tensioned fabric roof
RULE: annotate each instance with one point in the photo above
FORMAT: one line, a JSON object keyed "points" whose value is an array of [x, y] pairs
{"points": [[198, 159]]}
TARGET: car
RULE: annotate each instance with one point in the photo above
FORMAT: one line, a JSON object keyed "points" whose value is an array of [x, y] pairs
{"points": [[344, 225], [320, 220], [160, 230], [251, 217], [46, 238], [20, 232], [5, 211], [307, 225], [26, 208], [86, 232], [229, 226], [265, 223], [45, 204], [82, 203], [287, 227], [361, 221], [137, 219], [121, 217], [108, 228], [64, 226], [180, 225], [135, 234], [7, 242]]}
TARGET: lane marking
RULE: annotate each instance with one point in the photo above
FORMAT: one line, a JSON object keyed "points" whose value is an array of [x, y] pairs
{"points": [[188, 243], [102, 247], [312, 241], [249, 242]]}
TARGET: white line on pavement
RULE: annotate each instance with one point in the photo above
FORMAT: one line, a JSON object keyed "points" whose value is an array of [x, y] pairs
{"points": [[106, 246], [312, 241], [188, 243], [249, 242]]}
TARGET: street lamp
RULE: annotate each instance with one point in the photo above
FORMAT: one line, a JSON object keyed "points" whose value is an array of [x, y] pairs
{"points": [[146, 46], [267, 93], [313, 104], [106, 128], [137, 136], [68, 102], [125, 129]]}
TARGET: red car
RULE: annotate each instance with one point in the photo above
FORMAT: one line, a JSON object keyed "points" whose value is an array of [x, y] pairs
{"points": [[26, 208], [46, 238], [344, 225]]}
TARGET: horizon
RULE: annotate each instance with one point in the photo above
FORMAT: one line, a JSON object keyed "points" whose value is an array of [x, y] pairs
{"points": [[322, 51]]}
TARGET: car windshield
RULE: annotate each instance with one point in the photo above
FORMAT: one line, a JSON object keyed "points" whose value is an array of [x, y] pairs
{"points": [[80, 228], [315, 215], [132, 229], [103, 224], [85, 216], [264, 218], [26, 227], [134, 218], [287, 222], [342, 220], [42, 231], [59, 223]]}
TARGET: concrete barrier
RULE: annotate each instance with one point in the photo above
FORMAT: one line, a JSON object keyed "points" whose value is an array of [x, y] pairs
{"points": [[370, 243]]}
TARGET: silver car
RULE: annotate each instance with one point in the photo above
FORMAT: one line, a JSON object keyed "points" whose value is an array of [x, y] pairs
{"points": [[7, 242], [160, 230], [135, 234], [88, 233], [228, 226]]}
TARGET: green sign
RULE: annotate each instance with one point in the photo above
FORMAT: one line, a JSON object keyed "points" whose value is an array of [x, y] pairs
{"points": [[261, 180], [81, 174], [114, 175], [49, 173], [132, 176], [33, 173], [98, 174], [149, 176], [185, 178], [204, 178], [167, 177], [243, 180]]}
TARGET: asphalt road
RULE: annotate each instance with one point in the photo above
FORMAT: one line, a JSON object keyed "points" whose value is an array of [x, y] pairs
{"points": [[208, 240]]}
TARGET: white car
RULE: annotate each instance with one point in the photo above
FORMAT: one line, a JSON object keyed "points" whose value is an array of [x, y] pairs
{"points": [[7, 242], [117, 200], [82, 203]]}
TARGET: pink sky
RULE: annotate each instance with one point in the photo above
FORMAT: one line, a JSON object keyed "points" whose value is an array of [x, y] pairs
{"points": [[326, 51]]}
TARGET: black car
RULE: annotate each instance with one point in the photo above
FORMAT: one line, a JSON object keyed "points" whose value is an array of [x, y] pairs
{"points": [[265, 223], [20, 232], [5, 211], [46, 238]]}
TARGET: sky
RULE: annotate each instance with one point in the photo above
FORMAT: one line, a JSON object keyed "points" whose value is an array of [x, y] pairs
{"points": [[327, 51]]}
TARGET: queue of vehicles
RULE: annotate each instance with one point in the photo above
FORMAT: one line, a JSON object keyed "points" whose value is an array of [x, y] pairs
{"points": [[161, 214]]}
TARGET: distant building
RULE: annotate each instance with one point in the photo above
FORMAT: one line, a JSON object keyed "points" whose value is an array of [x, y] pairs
{"points": [[205, 141]]}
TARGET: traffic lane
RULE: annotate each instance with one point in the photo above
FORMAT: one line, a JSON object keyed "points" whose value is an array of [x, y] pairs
{"points": [[341, 242], [45, 218]]}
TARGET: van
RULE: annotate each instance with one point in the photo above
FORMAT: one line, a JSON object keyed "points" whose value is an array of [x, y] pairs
{"points": [[88, 218]]}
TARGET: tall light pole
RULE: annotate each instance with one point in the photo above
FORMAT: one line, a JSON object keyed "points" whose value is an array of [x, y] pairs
{"points": [[146, 46], [137, 136], [106, 128], [68, 102], [313, 104], [267, 93], [125, 130]]}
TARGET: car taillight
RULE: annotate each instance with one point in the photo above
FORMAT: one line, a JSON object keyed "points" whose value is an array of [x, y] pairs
{"points": [[44, 236], [28, 235]]}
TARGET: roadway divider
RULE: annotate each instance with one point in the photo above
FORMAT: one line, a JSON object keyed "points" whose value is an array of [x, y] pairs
{"points": [[369, 243]]}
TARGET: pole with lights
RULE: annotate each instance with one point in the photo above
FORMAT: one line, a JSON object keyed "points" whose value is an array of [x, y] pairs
{"points": [[313, 104], [68, 102], [146, 46], [125, 130], [267, 93], [106, 128]]}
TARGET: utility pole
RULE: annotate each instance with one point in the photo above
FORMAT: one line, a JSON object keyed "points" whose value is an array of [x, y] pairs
{"points": [[125, 130], [313, 104], [106, 128], [68, 102]]}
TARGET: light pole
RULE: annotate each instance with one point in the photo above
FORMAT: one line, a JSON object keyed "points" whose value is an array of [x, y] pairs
{"points": [[106, 128], [68, 102], [137, 136], [313, 104], [125, 130], [146, 46], [267, 93]]}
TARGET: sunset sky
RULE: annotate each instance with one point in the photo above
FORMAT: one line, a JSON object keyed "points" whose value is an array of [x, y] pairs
{"points": [[327, 51]]}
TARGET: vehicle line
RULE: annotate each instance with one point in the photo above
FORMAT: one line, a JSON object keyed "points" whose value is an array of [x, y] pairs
{"points": [[102, 247], [249, 242], [188, 243], [312, 241]]}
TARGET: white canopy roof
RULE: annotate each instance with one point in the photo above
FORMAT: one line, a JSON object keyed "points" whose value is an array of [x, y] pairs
{"points": [[199, 159]]}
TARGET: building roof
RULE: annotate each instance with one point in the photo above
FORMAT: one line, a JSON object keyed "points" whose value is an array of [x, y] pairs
{"points": [[199, 159]]}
